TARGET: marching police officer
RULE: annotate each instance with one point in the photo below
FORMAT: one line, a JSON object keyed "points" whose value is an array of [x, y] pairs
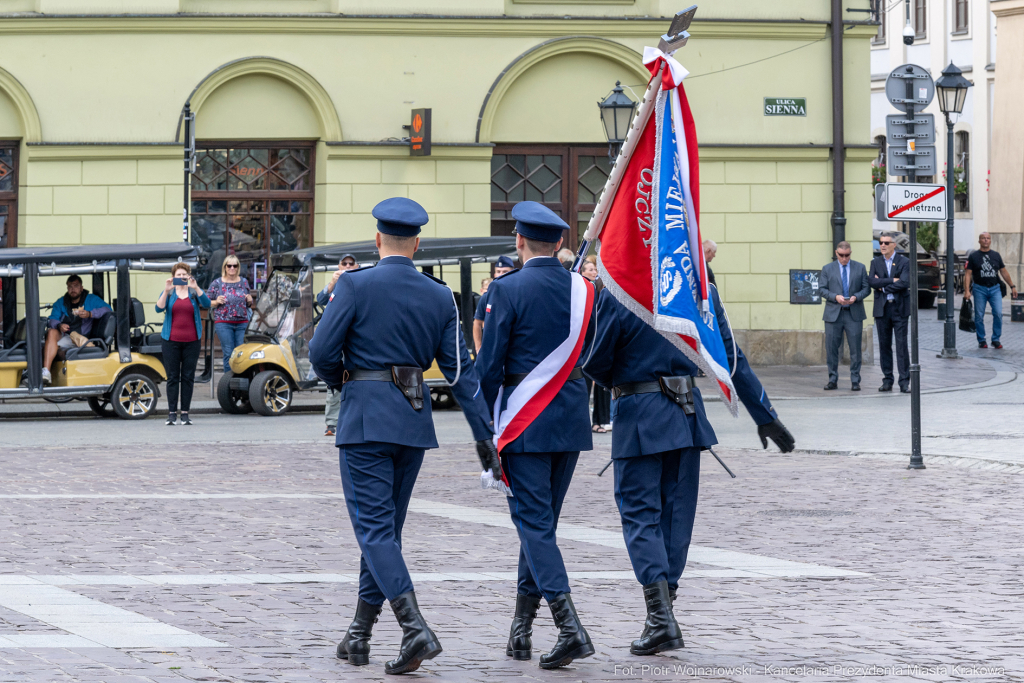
{"points": [[660, 430], [529, 368], [383, 325]]}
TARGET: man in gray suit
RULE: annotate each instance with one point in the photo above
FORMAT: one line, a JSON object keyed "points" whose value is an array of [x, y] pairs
{"points": [[843, 286]]}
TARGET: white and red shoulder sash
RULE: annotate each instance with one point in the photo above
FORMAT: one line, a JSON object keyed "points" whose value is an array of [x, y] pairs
{"points": [[531, 396]]}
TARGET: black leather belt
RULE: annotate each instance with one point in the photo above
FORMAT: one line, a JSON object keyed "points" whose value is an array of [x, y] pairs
{"points": [[679, 389], [516, 379], [359, 375], [408, 379]]}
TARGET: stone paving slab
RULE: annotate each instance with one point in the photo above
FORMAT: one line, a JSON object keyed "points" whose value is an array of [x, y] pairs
{"points": [[940, 549]]}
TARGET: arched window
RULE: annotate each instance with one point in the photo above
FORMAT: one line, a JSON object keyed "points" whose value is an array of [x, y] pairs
{"points": [[962, 171]]}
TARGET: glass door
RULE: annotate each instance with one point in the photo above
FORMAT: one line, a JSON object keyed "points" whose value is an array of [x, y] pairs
{"points": [[251, 200]]}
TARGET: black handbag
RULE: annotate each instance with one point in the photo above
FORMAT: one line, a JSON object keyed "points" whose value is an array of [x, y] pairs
{"points": [[967, 316], [1002, 288]]}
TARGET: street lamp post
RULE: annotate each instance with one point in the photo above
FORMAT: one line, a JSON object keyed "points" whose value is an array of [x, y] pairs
{"points": [[952, 91], [616, 115]]}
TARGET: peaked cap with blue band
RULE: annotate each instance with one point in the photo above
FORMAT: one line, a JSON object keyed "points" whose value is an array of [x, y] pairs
{"points": [[537, 222], [400, 217]]}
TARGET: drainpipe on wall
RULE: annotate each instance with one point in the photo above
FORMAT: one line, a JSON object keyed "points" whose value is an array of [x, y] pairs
{"points": [[838, 135]]}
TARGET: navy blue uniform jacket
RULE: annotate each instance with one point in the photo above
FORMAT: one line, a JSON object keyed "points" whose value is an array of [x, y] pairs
{"points": [[529, 318], [629, 350], [391, 314]]}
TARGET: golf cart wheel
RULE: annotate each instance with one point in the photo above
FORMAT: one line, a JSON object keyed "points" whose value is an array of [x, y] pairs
{"points": [[232, 401], [134, 397], [270, 394], [101, 406], [58, 399], [441, 398]]}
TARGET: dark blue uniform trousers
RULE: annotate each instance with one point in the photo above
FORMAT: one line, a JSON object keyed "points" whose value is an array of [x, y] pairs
{"points": [[378, 479], [539, 482], [657, 499]]}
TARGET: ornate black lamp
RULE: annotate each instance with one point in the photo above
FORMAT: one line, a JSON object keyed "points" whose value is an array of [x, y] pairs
{"points": [[616, 115]]}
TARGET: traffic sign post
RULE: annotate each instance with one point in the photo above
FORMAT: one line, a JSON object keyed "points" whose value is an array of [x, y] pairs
{"points": [[910, 88]]}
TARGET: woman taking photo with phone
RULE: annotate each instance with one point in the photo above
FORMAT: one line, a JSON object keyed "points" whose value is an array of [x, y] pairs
{"points": [[181, 299], [230, 300]]}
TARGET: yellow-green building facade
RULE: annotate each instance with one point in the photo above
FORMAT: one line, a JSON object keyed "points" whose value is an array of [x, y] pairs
{"points": [[300, 107]]}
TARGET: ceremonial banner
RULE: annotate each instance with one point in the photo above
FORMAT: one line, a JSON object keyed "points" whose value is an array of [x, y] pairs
{"points": [[647, 224]]}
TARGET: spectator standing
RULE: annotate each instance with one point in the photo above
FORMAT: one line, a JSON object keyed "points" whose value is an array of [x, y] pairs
{"points": [[181, 332], [566, 258], [73, 313], [229, 302], [890, 278], [844, 286], [333, 404], [503, 265], [602, 397], [710, 251], [981, 280]]}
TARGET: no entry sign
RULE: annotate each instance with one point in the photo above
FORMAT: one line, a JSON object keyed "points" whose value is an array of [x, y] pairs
{"points": [[914, 202]]}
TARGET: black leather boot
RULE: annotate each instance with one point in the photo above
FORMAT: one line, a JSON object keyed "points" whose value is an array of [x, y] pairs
{"points": [[661, 632], [520, 644], [418, 641], [672, 595], [355, 646], [573, 640]]}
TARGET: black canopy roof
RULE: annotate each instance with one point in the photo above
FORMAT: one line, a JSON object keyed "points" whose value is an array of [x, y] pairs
{"points": [[87, 253], [432, 251]]}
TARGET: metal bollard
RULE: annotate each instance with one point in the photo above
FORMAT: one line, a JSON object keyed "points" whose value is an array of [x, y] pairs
{"points": [[1017, 309], [940, 303]]}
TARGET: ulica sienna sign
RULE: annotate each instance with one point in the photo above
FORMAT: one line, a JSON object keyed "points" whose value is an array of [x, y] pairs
{"points": [[785, 106]]}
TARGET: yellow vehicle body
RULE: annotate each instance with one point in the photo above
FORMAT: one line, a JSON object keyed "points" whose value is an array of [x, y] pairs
{"points": [[274, 356], [89, 372]]}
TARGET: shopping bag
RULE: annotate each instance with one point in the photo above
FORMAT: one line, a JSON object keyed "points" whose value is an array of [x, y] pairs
{"points": [[967, 316]]}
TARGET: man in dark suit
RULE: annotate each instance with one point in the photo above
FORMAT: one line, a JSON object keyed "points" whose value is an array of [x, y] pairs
{"points": [[844, 286], [890, 278], [383, 325]]}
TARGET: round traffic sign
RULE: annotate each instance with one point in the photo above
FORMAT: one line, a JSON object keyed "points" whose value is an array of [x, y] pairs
{"points": [[922, 87]]}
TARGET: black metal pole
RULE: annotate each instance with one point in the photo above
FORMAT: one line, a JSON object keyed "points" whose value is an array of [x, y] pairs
{"points": [[466, 298], [188, 168], [949, 329], [838, 134], [33, 340], [916, 460]]}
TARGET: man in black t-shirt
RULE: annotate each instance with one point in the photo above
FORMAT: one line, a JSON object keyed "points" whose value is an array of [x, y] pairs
{"points": [[981, 280]]}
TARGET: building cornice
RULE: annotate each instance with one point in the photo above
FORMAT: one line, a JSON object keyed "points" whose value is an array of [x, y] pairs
{"points": [[1006, 8], [422, 26]]}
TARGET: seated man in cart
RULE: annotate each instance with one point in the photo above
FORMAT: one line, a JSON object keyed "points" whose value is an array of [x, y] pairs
{"points": [[73, 313]]}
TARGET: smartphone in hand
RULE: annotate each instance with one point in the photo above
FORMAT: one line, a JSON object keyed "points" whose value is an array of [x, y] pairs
{"points": [[179, 282]]}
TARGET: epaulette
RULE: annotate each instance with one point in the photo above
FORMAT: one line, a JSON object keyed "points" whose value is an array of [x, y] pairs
{"points": [[361, 268], [437, 280]]}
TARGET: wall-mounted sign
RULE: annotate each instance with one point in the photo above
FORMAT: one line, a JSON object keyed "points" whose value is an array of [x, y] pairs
{"points": [[785, 106], [419, 133], [803, 287]]}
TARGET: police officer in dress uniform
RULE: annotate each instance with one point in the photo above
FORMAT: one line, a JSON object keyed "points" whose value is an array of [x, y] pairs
{"points": [[384, 324], [529, 318], [660, 430]]}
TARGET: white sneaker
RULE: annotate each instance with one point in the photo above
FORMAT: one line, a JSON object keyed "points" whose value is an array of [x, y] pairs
{"points": [[47, 379]]}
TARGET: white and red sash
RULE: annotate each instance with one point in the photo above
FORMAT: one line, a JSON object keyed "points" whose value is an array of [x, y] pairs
{"points": [[531, 396]]}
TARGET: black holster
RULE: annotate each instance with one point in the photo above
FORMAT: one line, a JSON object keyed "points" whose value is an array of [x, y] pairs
{"points": [[410, 381], [679, 390]]}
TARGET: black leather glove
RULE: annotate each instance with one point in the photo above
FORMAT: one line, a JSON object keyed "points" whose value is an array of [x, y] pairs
{"points": [[777, 432], [489, 457]]}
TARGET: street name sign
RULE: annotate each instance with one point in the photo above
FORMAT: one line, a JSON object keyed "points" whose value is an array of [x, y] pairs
{"points": [[785, 106], [911, 202]]}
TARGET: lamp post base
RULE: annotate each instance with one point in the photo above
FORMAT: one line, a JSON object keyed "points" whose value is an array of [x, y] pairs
{"points": [[916, 463], [949, 354]]}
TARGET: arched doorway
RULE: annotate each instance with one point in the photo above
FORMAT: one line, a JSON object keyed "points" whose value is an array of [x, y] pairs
{"points": [[549, 142], [258, 123]]}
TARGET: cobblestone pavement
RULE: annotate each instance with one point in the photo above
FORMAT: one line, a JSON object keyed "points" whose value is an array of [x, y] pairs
{"points": [[233, 562]]}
